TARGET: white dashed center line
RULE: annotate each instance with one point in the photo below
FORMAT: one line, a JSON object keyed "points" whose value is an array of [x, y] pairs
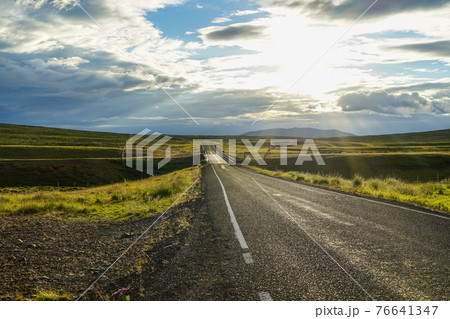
{"points": [[264, 296], [247, 258], [237, 229]]}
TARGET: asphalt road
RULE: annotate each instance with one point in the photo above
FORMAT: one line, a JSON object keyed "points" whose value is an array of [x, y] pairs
{"points": [[286, 241]]}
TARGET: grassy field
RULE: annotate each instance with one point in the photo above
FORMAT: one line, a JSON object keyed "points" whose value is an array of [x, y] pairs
{"points": [[410, 157], [412, 168], [66, 199], [39, 156], [122, 201], [427, 194], [31, 156]]}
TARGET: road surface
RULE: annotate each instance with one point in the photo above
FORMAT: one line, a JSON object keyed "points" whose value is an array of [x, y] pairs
{"points": [[287, 241]]}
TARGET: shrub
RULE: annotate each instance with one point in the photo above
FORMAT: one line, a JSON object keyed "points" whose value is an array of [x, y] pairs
{"points": [[391, 181], [81, 199], [29, 209], [320, 181], [162, 191], [335, 181], [402, 189], [4, 199], [430, 189], [375, 185], [357, 181]]}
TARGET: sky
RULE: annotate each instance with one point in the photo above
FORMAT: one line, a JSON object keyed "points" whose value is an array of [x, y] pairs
{"points": [[226, 66]]}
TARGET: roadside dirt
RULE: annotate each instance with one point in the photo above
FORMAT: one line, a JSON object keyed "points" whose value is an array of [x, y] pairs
{"points": [[175, 260]]}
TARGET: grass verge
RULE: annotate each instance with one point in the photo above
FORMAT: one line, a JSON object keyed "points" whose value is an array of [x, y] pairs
{"points": [[122, 201], [52, 295], [428, 195]]}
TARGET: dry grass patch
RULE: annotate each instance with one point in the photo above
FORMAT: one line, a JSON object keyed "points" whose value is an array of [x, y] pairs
{"points": [[122, 201], [429, 195]]}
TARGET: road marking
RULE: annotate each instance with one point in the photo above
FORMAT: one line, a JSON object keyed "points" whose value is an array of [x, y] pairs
{"points": [[311, 188], [315, 241], [247, 258], [234, 222], [264, 296], [380, 202]]}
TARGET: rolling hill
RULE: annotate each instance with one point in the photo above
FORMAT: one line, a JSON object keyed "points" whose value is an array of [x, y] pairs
{"points": [[43, 156], [35, 156]]}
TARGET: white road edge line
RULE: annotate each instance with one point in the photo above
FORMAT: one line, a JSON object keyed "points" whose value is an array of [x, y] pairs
{"points": [[392, 205], [247, 258], [264, 296], [357, 197], [315, 241], [136, 240], [237, 230]]}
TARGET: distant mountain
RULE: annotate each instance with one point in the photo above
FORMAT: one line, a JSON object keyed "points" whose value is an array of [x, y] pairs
{"points": [[298, 132]]}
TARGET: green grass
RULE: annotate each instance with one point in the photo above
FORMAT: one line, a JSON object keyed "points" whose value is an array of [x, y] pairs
{"points": [[36, 152], [35, 156], [410, 157], [429, 195], [122, 201], [51, 295], [407, 167], [35, 142], [40, 156]]}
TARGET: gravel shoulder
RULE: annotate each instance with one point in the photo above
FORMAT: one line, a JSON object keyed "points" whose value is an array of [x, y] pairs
{"points": [[175, 260]]}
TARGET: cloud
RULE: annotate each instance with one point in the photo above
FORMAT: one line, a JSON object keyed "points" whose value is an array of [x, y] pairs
{"points": [[102, 119], [94, 75], [148, 118], [58, 4], [67, 63], [351, 9], [221, 20], [245, 13], [50, 48], [33, 26], [234, 32], [385, 103], [420, 87], [57, 68], [437, 48]]}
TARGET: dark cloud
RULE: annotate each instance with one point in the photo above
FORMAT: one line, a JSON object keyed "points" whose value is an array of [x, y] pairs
{"points": [[438, 48], [89, 75], [386, 103], [396, 89], [420, 87], [351, 9], [51, 11], [235, 33]]}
